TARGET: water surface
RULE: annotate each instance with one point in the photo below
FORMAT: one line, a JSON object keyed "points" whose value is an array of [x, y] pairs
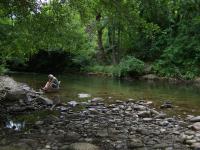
{"points": [[185, 98]]}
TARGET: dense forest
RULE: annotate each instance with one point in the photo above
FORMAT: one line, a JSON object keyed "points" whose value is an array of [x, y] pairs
{"points": [[117, 37]]}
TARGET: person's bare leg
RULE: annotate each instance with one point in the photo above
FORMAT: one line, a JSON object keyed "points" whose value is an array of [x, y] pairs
{"points": [[46, 86]]}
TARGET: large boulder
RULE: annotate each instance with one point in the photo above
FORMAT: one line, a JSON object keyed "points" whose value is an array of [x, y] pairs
{"points": [[13, 91], [8, 83], [15, 95]]}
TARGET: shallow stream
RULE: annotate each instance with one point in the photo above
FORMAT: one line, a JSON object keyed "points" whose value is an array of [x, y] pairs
{"points": [[185, 97]]}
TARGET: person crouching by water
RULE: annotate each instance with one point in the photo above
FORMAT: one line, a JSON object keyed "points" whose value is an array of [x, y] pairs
{"points": [[52, 84]]}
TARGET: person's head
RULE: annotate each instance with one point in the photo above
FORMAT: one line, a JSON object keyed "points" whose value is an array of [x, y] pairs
{"points": [[50, 76]]}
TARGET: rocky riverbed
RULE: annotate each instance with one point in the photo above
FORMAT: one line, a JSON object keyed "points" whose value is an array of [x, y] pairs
{"points": [[92, 124]]}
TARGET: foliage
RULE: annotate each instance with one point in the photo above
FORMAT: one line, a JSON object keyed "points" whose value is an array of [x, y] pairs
{"points": [[181, 59], [2, 69], [103, 33], [129, 66], [109, 70]]}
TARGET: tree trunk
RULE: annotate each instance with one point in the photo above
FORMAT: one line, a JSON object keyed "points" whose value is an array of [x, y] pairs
{"points": [[101, 53], [118, 45], [100, 42], [114, 61]]}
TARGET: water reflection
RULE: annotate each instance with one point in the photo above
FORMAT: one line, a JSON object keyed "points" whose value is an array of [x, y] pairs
{"points": [[184, 95], [17, 126]]}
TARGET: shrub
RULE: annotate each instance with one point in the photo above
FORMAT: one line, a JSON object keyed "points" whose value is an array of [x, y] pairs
{"points": [[181, 59], [2, 69], [100, 69], [129, 66]]}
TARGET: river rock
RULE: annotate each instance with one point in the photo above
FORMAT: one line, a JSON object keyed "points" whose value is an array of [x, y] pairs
{"points": [[143, 131], [135, 143], [190, 142], [97, 99], [18, 146], [196, 146], [166, 104], [164, 123], [147, 119], [189, 117], [102, 133], [30, 142], [93, 111], [83, 146], [38, 123], [15, 95], [63, 108], [139, 107], [195, 126], [84, 95], [8, 83], [160, 146], [72, 136], [119, 145], [195, 119], [189, 132], [44, 100], [161, 116], [154, 112], [144, 114], [72, 103], [129, 108]]}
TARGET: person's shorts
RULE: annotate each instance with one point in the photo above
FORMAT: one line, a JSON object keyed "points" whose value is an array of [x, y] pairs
{"points": [[54, 86]]}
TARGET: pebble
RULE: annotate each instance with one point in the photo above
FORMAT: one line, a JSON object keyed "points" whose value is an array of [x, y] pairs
{"points": [[39, 122], [195, 119], [196, 146]]}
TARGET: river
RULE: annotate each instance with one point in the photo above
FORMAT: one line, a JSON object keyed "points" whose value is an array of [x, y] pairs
{"points": [[184, 97]]}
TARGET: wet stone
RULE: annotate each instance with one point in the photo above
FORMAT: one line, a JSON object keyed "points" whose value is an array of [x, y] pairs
{"points": [[143, 131], [72, 136], [160, 146], [39, 123], [144, 114], [135, 143], [166, 104], [161, 116], [164, 123], [147, 119], [83, 146], [196, 146], [195, 119], [195, 126], [139, 108], [129, 108], [102, 133], [119, 145], [97, 99], [190, 141]]}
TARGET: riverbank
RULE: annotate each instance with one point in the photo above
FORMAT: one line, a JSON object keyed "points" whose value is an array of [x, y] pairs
{"points": [[147, 77], [93, 124], [144, 77]]}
